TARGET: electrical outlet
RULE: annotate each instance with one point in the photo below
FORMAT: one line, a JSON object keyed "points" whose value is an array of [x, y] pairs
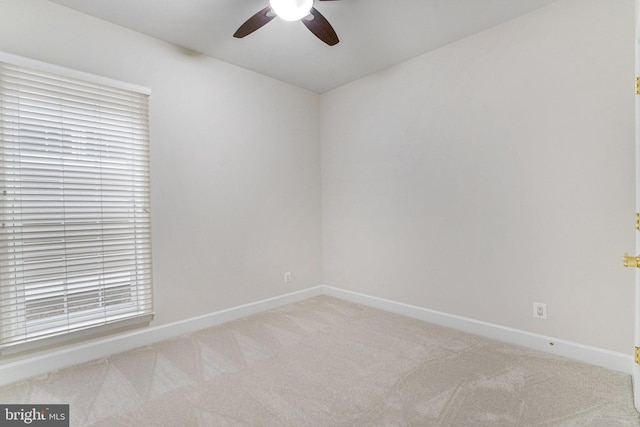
{"points": [[287, 277], [540, 310]]}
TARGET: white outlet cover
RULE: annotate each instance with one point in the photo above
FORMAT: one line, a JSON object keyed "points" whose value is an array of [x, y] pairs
{"points": [[540, 310]]}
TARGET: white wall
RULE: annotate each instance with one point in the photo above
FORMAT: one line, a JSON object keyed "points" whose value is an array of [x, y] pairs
{"points": [[492, 173], [235, 160], [473, 180]]}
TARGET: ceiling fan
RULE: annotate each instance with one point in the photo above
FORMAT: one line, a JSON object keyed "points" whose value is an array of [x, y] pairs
{"points": [[291, 10]]}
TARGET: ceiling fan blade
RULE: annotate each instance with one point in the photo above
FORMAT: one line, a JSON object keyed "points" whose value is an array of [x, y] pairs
{"points": [[321, 27], [256, 21]]}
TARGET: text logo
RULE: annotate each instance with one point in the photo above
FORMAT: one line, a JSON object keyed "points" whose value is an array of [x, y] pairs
{"points": [[34, 415]]}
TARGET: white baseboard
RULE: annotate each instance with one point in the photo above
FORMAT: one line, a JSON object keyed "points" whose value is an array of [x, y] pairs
{"points": [[595, 356], [44, 362], [47, 361]]}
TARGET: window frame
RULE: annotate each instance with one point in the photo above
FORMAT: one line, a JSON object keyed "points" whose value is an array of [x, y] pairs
{"points": [[58, 329]]}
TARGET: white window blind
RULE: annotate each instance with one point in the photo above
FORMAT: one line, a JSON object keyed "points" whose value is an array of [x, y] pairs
{"points": [[75, 238]]}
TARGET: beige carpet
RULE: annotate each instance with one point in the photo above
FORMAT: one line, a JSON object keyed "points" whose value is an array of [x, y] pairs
{"points": [[326, 362]]}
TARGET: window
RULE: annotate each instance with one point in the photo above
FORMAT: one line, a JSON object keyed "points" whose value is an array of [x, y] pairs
{"points": [[75, 237]]}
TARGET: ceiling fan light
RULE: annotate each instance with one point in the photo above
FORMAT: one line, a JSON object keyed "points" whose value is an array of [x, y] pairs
{"points": [[291, 10]]}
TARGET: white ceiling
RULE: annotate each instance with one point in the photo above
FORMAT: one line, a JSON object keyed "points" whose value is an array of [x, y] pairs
{"points": [[374, 34]]}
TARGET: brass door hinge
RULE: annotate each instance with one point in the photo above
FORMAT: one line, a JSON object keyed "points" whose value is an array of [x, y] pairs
{"points": [[637, 85], [637, 355], [638, 221], [631, 261]]}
